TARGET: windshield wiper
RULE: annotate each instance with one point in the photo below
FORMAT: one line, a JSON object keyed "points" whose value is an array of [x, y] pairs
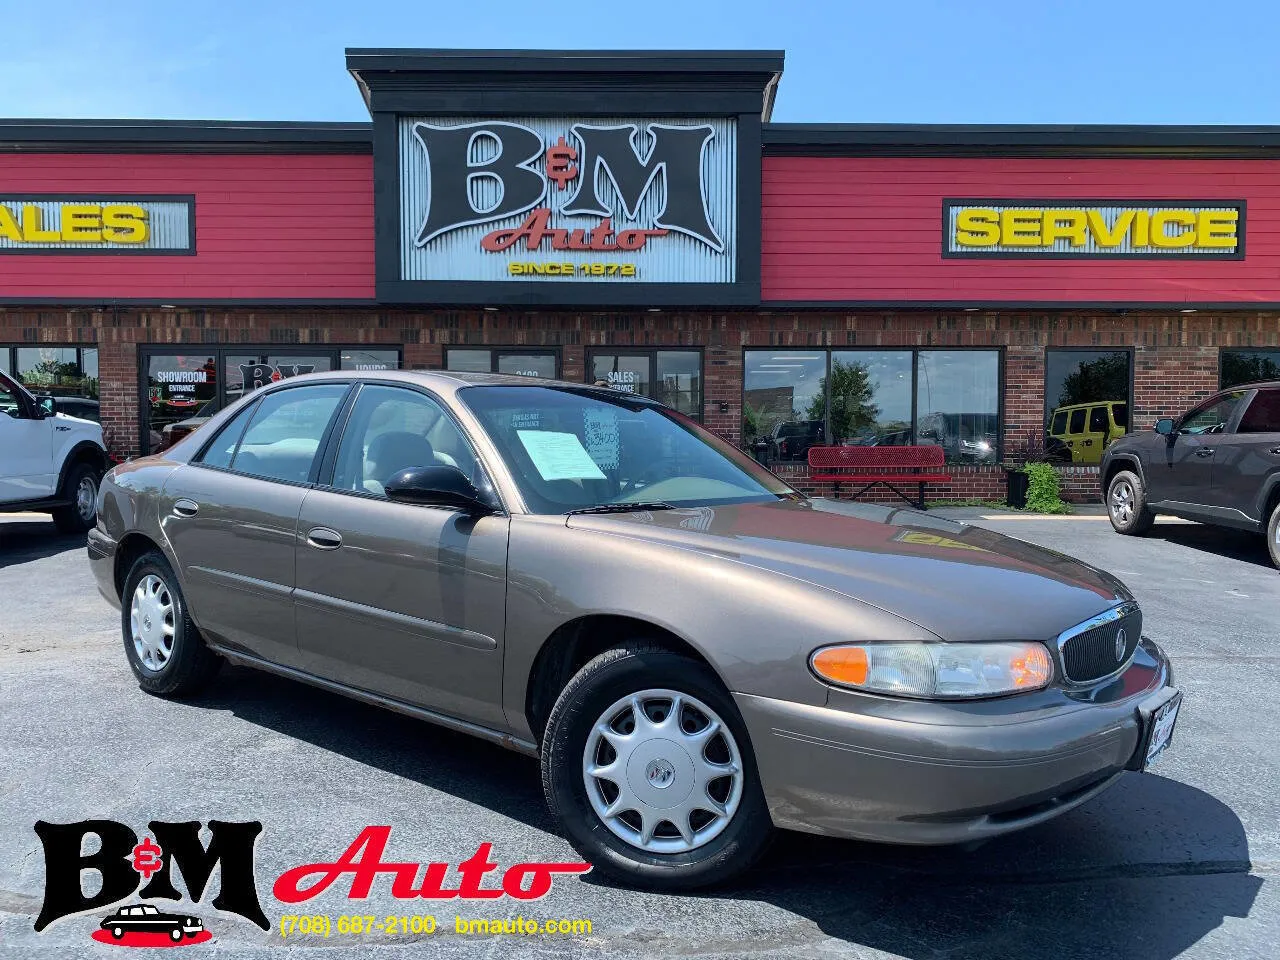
{"points": [[627, 507]]}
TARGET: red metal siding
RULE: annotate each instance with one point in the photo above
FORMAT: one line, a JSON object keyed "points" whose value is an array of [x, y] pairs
{"points": [[268, 227], [870, 229]]}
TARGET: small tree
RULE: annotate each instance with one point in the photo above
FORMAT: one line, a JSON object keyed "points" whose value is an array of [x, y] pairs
{"points": [[851, 394]]}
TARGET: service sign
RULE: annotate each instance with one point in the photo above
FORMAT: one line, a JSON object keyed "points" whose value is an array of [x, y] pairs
{"points": [[1033, 229], [539, 200], [97, 223]]}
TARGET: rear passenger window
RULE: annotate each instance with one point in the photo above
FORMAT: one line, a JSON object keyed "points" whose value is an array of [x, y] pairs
{"points": [[284, 435], [220, 452], [1077, 421], [1263, 415], [1098, 422], [1122, 416]]}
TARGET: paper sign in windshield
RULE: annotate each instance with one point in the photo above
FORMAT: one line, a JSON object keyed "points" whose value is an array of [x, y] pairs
{"points": [[559, 456]]}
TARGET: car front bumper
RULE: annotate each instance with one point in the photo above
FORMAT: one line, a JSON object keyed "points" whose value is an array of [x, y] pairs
{"points": [[936, 772], [102, 563]]}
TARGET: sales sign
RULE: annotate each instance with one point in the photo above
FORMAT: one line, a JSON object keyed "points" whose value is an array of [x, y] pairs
{"points": [[1032, 229], [540, 200], [97, 223]]}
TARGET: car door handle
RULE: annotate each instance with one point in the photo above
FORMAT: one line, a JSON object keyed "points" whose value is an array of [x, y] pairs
{"points": [[322, 538], [1275, 450], [1205, 452], [185, 508]]}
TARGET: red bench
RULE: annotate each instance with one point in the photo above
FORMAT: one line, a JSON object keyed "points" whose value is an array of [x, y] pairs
{"points": [[876, 465]]}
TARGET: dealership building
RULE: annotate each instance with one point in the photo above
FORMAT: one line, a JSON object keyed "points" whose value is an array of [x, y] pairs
{"points": [[637, 219]]}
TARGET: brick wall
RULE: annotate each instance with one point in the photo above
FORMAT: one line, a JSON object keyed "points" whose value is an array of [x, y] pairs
{"points": [[1175, 354]]}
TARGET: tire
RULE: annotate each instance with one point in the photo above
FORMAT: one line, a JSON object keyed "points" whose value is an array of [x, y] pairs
{"points": [[1127, 504], [117, 932], [175, 935], [1273, 535], [166, 652], [80, 514], [713, 847]]}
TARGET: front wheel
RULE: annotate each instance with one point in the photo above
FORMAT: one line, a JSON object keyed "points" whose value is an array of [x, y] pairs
{"points": [[647, 766], [1127, 504]]}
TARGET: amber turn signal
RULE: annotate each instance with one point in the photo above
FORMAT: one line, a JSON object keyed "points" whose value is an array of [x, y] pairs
{"points": [[842, 665]]}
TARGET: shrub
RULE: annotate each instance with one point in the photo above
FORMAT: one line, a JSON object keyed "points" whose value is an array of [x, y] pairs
{"points": [[1044, 490]]}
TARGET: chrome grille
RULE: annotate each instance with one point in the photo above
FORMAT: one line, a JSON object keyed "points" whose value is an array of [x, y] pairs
{"points": [[1088, 650]]}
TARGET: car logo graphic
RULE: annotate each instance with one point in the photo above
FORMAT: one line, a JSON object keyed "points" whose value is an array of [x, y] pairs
{"points": [[142, 925], [1122, 643], [660, 773]]}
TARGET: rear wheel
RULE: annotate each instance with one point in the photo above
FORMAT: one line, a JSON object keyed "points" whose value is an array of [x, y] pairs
{"points": [[163, 646], [1127, 504], [81, 488], [647, 766], [1273, 535]]}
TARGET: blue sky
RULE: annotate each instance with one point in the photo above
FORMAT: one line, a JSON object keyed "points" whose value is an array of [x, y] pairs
{"points": [[965, 61]]}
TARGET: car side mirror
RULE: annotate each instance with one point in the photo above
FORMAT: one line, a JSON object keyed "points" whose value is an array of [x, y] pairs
{"points": [[1164, 426], [439, 486], [46, 407]]}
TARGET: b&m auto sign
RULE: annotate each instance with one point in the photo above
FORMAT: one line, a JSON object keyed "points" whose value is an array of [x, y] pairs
{"points": [[620, 200]]}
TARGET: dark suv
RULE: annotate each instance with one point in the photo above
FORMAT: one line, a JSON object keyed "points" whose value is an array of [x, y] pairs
{"points": [[1218, 463]]}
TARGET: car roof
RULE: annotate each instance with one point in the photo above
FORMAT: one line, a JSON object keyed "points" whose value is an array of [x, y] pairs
{"points": [[1256, 385], [1090, 403], [447, 381]]}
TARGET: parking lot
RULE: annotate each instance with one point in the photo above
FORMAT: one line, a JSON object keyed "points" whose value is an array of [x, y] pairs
{"points": [[1181, 862]]}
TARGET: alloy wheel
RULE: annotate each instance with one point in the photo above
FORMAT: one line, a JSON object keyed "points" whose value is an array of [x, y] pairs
{"points": [[151, 621], [1122, 499], [663, 771]]}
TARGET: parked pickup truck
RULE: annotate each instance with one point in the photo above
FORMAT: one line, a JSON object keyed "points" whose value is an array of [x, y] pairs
{"points": [[49, 462]]}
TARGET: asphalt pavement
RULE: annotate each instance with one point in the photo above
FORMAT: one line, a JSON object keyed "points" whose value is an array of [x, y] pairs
{"points": [[1180, 862]]}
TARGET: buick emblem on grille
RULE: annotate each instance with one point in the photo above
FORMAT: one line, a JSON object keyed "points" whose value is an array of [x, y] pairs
{"points": [[1122, 642]]}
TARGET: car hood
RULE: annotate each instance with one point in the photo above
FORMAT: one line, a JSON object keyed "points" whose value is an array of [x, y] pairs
{"points": [[957, 581]]}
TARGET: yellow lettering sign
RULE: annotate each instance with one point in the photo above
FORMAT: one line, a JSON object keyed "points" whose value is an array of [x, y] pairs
{"points": [[1093, 229], [59, 224]]}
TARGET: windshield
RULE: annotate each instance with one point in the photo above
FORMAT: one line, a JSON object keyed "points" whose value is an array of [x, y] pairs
{"points": [[569, 449]]}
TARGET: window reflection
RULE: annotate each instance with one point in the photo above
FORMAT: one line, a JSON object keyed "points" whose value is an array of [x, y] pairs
{"points": [[797, 399], [1086, 402], [1248, 366], [958, 403]]}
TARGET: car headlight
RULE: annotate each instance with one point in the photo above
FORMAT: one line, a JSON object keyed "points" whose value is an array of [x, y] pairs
{"points": [[943, 671]]}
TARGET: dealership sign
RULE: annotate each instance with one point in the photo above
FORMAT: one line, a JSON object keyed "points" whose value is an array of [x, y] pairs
{"points": [[96, 223], [568, 201], [1199, 229]]}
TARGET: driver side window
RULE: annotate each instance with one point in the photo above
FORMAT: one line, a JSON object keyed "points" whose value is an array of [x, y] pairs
{"points": [[1213, 416], [392, 429]]}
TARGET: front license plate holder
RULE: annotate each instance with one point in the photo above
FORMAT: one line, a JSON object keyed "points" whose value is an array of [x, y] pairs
{"points": [[1158, 718]]}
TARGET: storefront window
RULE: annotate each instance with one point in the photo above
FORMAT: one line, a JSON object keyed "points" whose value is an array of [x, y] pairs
{"points": [[354, 358], [673, 377], [794, 400], [184, 389], [958, 403], [1248, 366], [515, 361], [179, 387], [783, 404], [252, 371], [56, 371], [871, 397], [1086, 402]]}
